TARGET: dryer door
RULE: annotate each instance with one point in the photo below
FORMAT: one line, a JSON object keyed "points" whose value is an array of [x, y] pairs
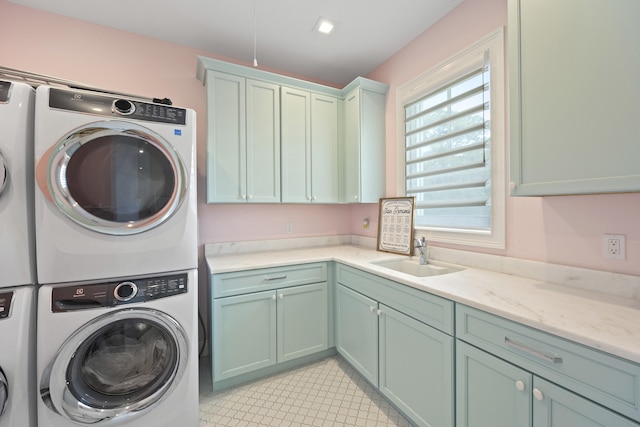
{"points": [[115, 177], [116, 367]]}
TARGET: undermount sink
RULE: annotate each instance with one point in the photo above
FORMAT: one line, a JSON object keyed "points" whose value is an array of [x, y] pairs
{"points": [[414, 268]]}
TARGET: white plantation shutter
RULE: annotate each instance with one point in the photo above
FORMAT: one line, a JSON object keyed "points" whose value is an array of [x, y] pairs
{"points": [[448, 152]]}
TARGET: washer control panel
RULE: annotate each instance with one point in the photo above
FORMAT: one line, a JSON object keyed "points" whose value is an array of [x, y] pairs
{"points": [[112, 106], [111, 294], [5, 304]]}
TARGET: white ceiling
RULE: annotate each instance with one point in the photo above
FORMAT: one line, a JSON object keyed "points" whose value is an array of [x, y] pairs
{"points": [[368, 31]]}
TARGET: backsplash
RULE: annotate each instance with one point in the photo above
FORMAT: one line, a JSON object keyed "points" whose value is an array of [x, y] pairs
{"points": [[614, 284]]}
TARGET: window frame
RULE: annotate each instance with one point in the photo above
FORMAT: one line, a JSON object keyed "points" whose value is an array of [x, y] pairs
{"points": [[439, 76]]}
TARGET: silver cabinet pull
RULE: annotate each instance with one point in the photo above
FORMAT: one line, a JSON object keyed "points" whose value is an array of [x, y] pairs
{"points": [[269, 279], [536, 353]]}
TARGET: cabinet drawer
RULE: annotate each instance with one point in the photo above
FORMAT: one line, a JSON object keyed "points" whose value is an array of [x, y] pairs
{"points": [[606, 379], [433, 310], [243, 282]]}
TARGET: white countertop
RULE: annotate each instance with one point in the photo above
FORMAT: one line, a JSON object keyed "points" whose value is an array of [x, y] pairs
{"points": [[606, 322]]}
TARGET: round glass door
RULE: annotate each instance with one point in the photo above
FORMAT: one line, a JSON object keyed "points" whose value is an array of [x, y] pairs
{"points": [[117, 367], [116, 178]]}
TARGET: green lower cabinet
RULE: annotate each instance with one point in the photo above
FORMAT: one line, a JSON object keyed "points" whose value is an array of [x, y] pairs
{"points": [[258, 330], [410, 363], [302, 321], [244, 334], [554, 406], [487, 390], [416, 368], [491, 392], [357, 331]]}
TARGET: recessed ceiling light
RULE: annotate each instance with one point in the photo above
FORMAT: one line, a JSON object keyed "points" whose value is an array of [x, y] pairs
{"points": [[324, 26]]}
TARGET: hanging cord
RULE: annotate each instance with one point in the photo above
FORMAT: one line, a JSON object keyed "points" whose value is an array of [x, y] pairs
{"points": [[255, 37]]}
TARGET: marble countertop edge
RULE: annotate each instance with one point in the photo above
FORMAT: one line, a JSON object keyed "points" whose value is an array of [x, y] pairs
{"points": [[609, 322]]}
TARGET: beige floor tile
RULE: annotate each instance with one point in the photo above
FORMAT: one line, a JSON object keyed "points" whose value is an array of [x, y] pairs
{"points": [[325, 393]]}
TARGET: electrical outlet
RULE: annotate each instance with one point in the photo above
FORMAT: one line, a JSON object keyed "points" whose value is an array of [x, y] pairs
{"points": [[289, 227], [614, 246]]}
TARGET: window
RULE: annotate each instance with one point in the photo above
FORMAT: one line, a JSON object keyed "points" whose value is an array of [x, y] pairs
{"points": [[452, 125]]}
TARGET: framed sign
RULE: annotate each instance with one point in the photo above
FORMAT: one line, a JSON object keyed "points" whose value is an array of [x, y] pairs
{"points": [[395, 225]]}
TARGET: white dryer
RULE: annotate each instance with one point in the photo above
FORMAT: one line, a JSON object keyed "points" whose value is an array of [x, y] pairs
{"points": [[17, 253], [17, 357], [115, 186], [122, 352]]}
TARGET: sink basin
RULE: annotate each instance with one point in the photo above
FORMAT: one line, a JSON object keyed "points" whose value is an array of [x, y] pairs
{"points": [[414, 268]]}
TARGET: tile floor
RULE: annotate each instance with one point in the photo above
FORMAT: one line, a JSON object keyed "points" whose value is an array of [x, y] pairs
{"points": [[325, 393]]}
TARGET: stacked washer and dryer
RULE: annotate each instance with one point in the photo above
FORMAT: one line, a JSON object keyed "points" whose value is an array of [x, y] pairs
{"points": [[17, 261], [116, 251]]}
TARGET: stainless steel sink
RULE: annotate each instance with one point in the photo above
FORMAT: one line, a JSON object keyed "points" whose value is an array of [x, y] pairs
{"points": [[414, 268]]}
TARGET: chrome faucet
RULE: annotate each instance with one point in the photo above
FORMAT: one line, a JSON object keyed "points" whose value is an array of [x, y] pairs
{"points": [[421, 245]]}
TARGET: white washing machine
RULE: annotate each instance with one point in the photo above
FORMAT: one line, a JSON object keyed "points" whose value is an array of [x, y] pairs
{"points": [[17, 357], [121, 352], [115, 186], [17, 253]]}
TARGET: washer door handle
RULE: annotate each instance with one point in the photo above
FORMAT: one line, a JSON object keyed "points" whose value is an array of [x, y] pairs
{"points": [[4, 392], [3, 175]]}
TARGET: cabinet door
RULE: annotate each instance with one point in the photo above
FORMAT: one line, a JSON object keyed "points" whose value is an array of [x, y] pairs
{"points": [[226, 138], [416, 368], [352, 147], [303, 326], [244, 334], [556, 407], [325, 176], [364, 146], [296, 146], [357, 331], [491, 392], [574, 91], [263, 142]]}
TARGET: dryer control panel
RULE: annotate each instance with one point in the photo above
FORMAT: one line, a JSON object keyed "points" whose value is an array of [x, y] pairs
{"points": [[111, 294], [5, 304], [111, 106]]}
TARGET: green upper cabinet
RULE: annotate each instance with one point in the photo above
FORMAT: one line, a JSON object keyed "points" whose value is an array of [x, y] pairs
{"points": [[243, 140], [277, 139], [364, 145], [574, 68], [309, 147]]}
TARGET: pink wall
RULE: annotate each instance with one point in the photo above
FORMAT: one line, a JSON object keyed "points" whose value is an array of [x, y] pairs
{"points": [[564, 230]]}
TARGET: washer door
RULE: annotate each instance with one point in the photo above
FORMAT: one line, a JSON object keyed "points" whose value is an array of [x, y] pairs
{"points": [[4, 392], [116, 367], [116, 177]]}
